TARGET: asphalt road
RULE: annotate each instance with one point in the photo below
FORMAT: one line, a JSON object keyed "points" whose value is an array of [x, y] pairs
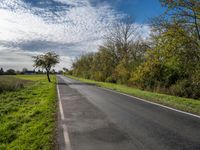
{"points": [[92, 118]]}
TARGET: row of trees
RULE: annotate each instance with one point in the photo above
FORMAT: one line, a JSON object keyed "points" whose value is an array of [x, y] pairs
{"points": [[122, 52], [7, 72], [26, 71], [169, 62], [15, 72]]}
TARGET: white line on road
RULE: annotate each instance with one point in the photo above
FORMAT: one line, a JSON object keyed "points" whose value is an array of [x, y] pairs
{"points": [[152, 103], [65, 130], [64, 78], [190, 114], [60, 104], [66, 137]]}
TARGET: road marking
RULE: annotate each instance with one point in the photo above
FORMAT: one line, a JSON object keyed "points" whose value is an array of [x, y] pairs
{"points": [[60, 104], [152, 103], [66, 137], [65, 78], [65, 130], [180, 111]]}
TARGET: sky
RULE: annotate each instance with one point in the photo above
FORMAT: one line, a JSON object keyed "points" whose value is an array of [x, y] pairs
{"points": [[68, 27]]}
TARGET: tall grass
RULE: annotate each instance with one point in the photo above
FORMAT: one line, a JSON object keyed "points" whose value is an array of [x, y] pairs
{"points": [[9, 83]]}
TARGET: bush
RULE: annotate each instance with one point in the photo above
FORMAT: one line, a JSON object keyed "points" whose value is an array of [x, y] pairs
{"points": [[122, 74], [98, 76], [185, 88], [111, 79]]}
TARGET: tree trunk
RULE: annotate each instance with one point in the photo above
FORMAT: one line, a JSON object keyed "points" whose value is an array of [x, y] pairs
{"points": [[48, 76], [196, 25]]}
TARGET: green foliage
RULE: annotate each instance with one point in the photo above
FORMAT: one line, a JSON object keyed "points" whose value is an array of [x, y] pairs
{"points": [[46, 61], [121, 73], [82, 65], [105, 65], [185, 88], [174, 58], [27, 116]]}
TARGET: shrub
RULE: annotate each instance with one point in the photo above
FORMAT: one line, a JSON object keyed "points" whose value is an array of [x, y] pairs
{"points": [[98, 76], [111, 79], [185, 88]]}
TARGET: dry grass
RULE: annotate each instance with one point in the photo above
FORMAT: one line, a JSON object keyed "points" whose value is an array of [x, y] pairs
{"points": [[10, 83]]}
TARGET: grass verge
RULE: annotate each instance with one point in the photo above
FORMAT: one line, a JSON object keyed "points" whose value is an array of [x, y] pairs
{"points": [[185, 104], [27, 115]]}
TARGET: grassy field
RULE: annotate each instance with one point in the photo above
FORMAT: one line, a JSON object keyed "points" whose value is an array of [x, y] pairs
{"points": [[27, 113], [185, 104]]}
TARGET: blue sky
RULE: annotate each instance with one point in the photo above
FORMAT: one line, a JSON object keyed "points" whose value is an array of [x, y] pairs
{"points": [[68, 27], [140, 10]]}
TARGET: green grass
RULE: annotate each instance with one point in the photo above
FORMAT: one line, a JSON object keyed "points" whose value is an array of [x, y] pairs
{"points": [[185, 104], [27, 115]]}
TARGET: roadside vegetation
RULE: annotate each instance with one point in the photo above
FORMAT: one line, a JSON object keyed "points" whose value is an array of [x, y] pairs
{"points": [[27, 112], [185, 104], [167, 62], [9, 83]]}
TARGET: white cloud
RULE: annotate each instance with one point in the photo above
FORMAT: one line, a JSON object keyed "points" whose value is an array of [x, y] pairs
{"points": [[68, 27]]}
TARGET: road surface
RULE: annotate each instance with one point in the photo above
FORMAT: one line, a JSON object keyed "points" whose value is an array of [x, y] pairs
{"points": [[93, 118]]}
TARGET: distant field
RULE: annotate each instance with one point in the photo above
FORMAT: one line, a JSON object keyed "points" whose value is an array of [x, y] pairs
{"points": [[185, 104], [27, 113]]}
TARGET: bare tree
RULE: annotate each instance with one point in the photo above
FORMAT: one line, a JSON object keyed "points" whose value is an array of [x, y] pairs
{"points": [[121, 38]]}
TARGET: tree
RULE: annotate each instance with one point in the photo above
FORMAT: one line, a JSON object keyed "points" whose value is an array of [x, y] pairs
{"points": [[46, 61], [123, 35], [10, 72], [39, 71], [82, 66], [1, 71], [24, 70], [185, 12], [65, 70], [53, 71]]}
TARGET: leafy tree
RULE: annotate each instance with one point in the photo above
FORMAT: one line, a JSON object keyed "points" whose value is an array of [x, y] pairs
{"points": [[104, 62], [10, 72], [46, 61]]}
